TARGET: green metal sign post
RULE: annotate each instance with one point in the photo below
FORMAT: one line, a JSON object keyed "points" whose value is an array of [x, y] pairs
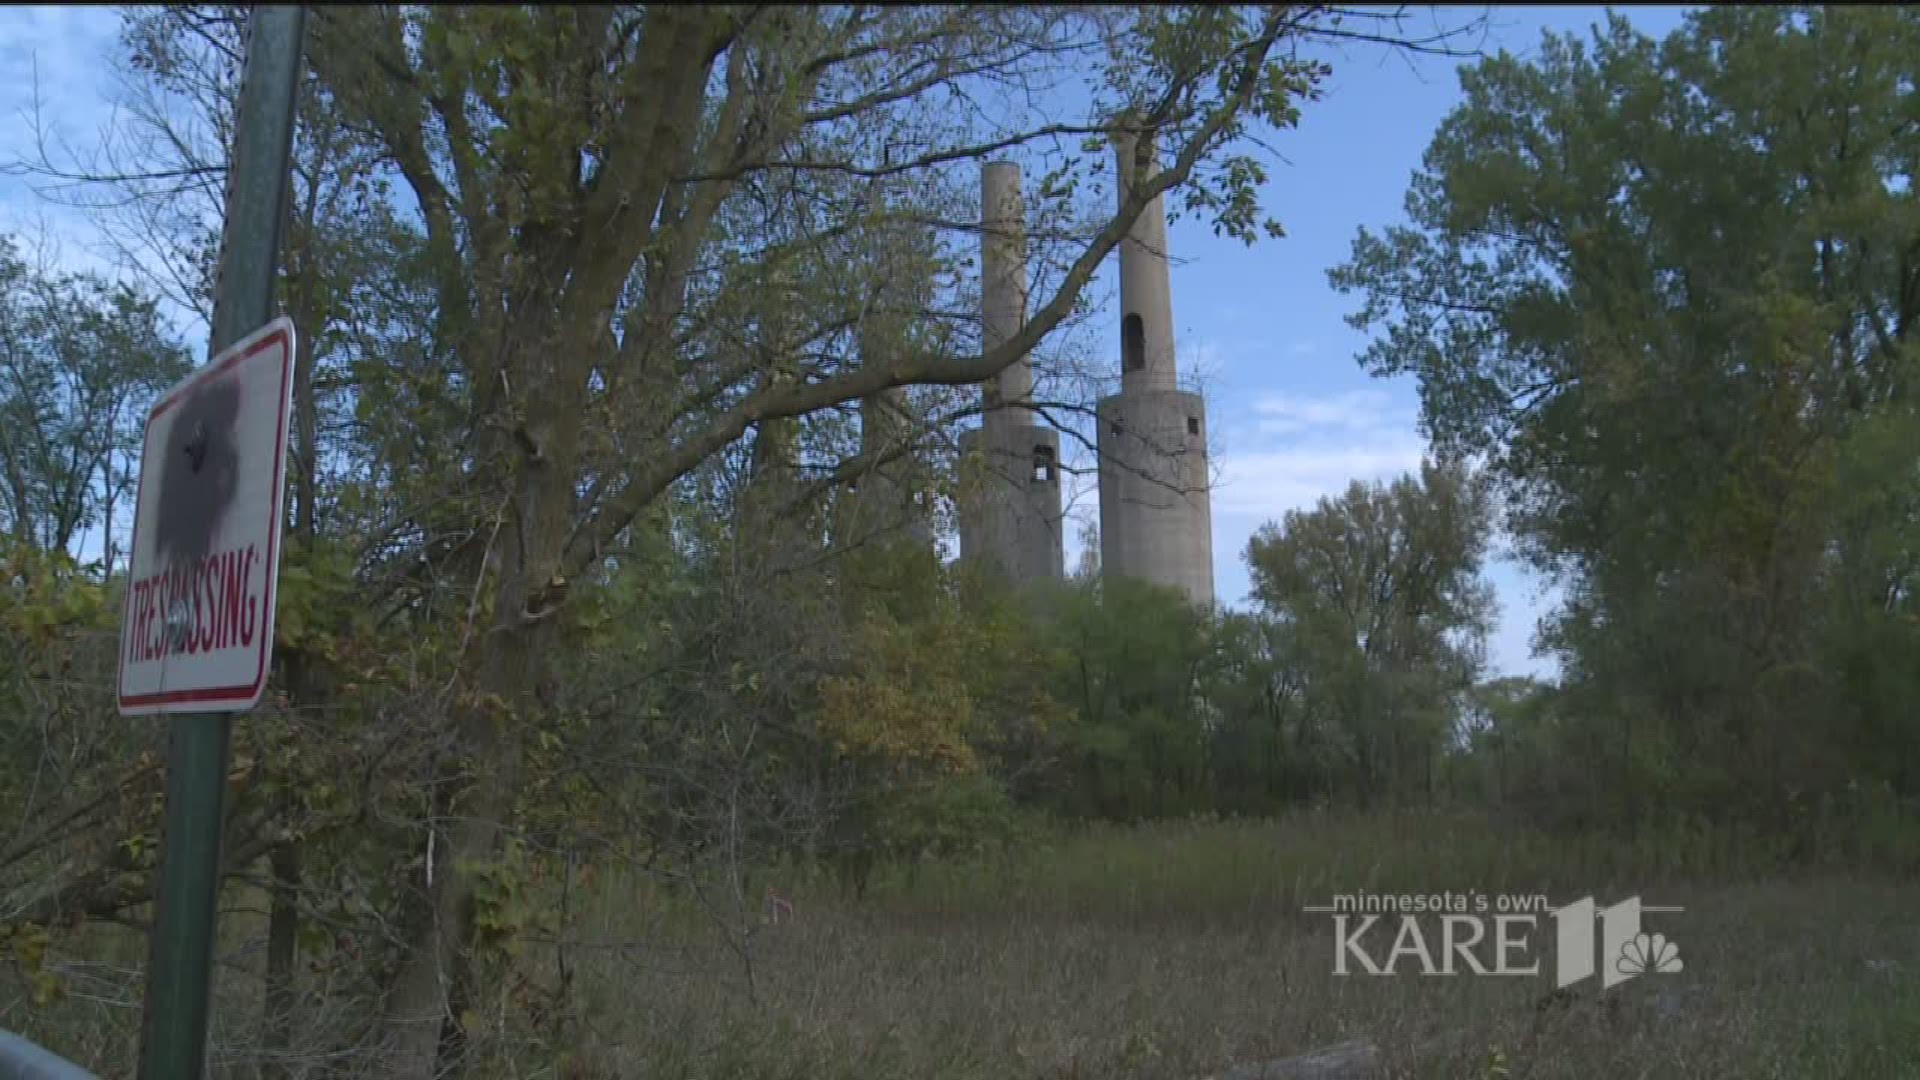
{"points": [[179, 972]]}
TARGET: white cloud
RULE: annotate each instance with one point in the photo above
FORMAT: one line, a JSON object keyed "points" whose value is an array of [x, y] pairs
{"points": [[1265, 484], [1353, 411], [1293, 449], [55, 73], [62, 73], [62, 55]]}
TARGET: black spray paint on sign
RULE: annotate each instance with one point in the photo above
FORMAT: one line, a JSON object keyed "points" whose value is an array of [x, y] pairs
{"points": [[199, 474]]}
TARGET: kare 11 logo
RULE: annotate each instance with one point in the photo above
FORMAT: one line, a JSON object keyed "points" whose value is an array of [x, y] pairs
{"points": [[1478, 934]]}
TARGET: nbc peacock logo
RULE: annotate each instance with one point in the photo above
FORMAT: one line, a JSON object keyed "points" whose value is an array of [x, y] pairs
{"points": [[1650, 953], [1620, 951]]}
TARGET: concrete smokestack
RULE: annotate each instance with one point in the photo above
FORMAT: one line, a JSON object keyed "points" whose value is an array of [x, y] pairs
{"points": [[1003, 286], [885, 503], [1146, 289], [1156, 515], [1010, 477]]}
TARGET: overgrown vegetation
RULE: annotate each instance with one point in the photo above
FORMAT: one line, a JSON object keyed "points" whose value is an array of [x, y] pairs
{"points": [[612, 597]]}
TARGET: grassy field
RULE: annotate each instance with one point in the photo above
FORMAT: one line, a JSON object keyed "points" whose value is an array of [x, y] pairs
{"points": [[1176, 951]]}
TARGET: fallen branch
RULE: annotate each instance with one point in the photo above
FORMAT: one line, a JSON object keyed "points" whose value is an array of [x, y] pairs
{"points": [[1357, 1059]]}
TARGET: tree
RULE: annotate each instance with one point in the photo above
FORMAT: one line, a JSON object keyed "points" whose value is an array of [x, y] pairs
{"points": [[612, 255], [80, 357], [1131, 657], [616, 201], [1670, 288], [1501, 736], [1382, 589], [1266, 750]]}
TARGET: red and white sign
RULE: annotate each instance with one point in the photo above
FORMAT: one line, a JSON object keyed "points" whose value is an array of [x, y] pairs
{"points": [[197, 630]]}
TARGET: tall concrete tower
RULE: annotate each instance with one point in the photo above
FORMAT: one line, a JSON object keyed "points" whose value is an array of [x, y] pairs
{"points": [[1010, 479], [1156, 516], [884, 503], [887, 501]]}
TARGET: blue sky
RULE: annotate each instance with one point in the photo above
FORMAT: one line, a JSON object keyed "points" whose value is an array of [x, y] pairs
{"points": [[60, 53], [1293, 416]]}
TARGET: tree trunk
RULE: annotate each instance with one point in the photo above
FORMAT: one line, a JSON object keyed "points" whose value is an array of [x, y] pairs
{"points": [[283, 916], [283, 926], [416, 1005], [427, 1003], [425, 1034]]}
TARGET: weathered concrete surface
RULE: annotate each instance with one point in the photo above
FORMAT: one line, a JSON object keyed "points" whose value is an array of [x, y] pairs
{"points": [[1010, 474], [1156, 517], [1011, 502], [1156, 512]]}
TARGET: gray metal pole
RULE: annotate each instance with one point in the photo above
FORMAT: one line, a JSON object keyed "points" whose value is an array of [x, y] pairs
{"points": [[173, 1044], [21, 1059]]}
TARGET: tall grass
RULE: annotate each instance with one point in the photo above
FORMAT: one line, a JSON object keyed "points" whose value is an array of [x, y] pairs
{"points": [[1169, 950], [1176, 949]]}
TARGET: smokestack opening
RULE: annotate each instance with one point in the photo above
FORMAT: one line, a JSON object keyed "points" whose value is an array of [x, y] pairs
{"points": [[1133, 342], [1043, 464]]}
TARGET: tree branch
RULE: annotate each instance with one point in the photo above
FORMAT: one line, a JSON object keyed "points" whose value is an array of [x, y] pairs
{"points": [[775, 400]]}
